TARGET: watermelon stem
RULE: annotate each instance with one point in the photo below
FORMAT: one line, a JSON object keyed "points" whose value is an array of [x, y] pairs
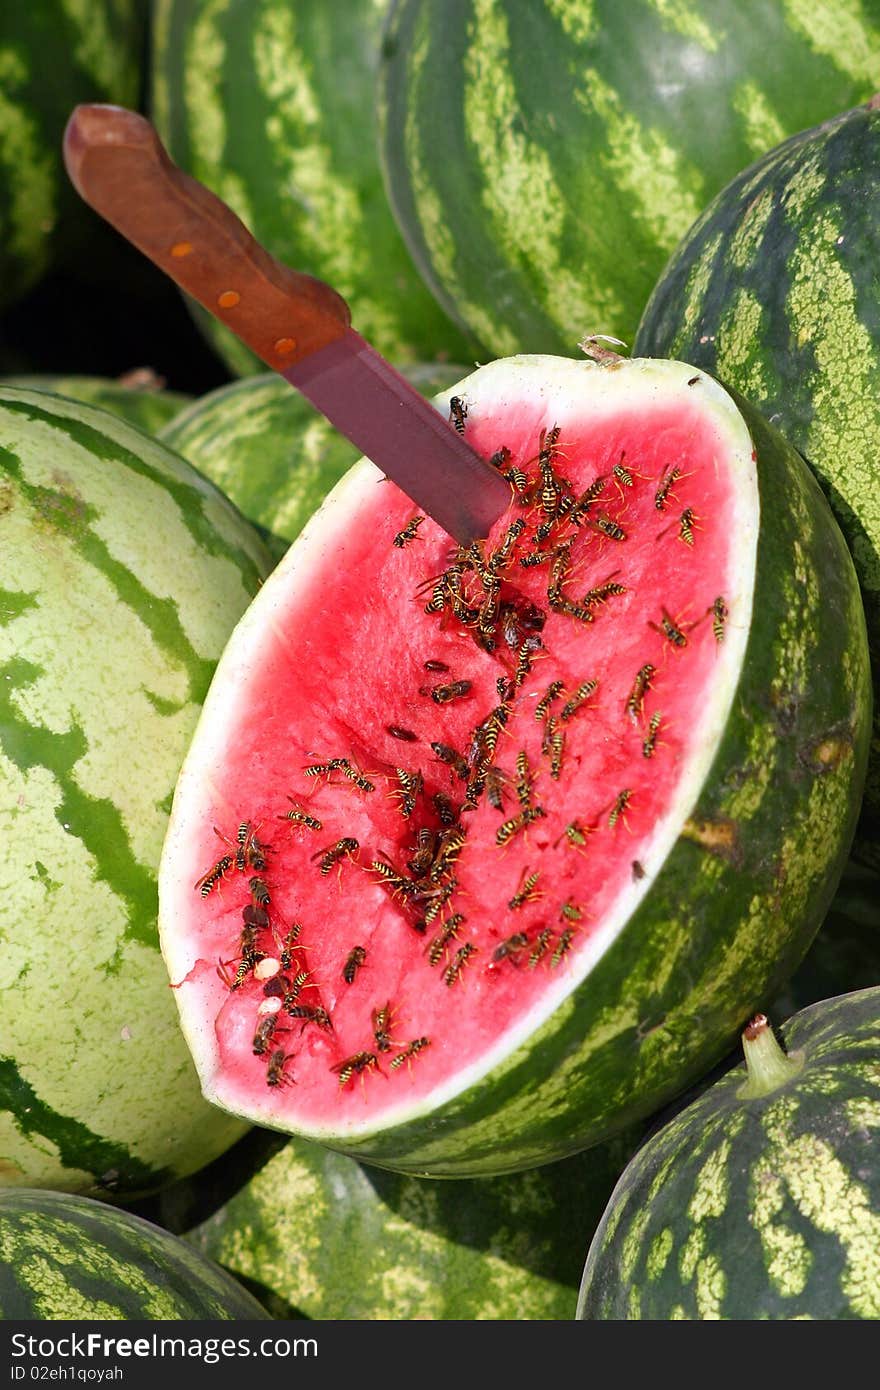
{"points": [[767, 1065]]}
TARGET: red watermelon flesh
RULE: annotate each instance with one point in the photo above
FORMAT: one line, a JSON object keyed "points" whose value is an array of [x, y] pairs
{"points": [[639, 611]]}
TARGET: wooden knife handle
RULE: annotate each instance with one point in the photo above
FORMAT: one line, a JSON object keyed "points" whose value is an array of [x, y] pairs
{"points": [[118, 164]]}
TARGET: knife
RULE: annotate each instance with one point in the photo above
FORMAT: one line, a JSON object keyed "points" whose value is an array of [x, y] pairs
{"points": [[297, 324]]}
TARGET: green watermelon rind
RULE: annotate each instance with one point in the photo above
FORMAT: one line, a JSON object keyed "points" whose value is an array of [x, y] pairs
{"points": [[124, 572], [73, 1258], [765, 1208], [761, 853], [773, 289]]}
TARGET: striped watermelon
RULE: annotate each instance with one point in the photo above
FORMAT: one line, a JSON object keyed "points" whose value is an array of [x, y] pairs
{"points": [[775, 290], [150, 407], [845, 954], [54, 54], [544, 159], [269, 450], [122, 572], [605, 896], [762, 1199], [270, 104], [330, 1237], [73, 1258]]}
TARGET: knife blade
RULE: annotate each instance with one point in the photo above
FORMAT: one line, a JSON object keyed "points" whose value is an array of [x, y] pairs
{"points": [[296, 324]]}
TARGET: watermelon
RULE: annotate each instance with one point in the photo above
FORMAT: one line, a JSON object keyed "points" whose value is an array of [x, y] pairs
{"points": [[68, 1257], [774, 289], [269, 450], [54, 54], [271, 105], [845, 954], [762, 1199], [318, 1233], [122, 574], [543, 160], [473, 862], [147, 405]]}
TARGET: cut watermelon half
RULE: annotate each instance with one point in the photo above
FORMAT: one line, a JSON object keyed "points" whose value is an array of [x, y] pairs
{"points": [[479, 855]]}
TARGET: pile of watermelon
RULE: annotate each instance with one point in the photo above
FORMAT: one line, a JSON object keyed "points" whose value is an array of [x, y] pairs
{"points": [[403, 929]]}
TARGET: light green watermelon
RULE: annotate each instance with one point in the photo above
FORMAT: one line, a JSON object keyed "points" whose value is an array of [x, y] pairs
{"points": [[544, 159], [122, 572], [271, 104], [72, 1258], [150, 406]]}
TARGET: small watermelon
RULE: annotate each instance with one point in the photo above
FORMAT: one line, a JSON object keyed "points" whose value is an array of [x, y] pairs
{"points": [[149, 406], [122, 572], [544, 159], [54, 54], [774, 289], [762, 1198], [269, 450], [513, 837], [319, 1232], [74, 1258], [271, 104]]}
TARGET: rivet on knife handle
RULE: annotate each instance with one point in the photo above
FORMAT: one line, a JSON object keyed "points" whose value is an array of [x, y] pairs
{"points": [[119, 167]]}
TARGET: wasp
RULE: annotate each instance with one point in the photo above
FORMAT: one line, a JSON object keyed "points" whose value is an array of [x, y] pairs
{"points": [[636, 697], [404, 735], [408, 533], [518, 481], [525, 893], [397, 883], [214, 875], [444, 694], [622, 476], [610, 588], [334, 854], [448, 931], [426, 849], [263, 1036], [586, 499], [650, 740], [458, 962], [557, 574], [550, 728], [297, 816], [458, 412], [452, 759], [497, 782], [604, 523], [570, 911], [621, 801], [563, 945], [553, 691], [259, 891], [381, 1019], [501, 555], [557, 751], [509, 949], [411, 783], [353, 962], [439, 898], [288, 944], [720, 614], [535, 558], [523, 780], [325, 769], [357, 778], [253, 915], [575, 610], [501, 458], [295, 988], [668, 629], [448, 850], [686, 523], [249, 852], [312, 1013], [444, 807], [523, 664], [355, 1065], [575, 701], [411, 1050], [511, 827], [275, 1073], [541, 946], [575, 833], [666, 485]]}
